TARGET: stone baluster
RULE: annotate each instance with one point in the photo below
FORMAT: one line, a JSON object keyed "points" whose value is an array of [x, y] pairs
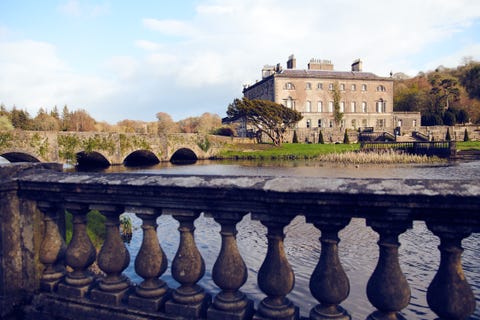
{"points": [[189, 300], [329, 283], [275, 277], [449, 295], [52, 249], [229, 273], [150, 263], [113, 258], [387, 288], [79, 256]]}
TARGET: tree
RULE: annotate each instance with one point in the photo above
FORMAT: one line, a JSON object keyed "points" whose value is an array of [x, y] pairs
{"points": [[20, 119], [346, 140], [470, 79], [165, 124], [320, 137], [45, 122], [268, 117], [336, 95], [465, 136], [5, 123], [447, 135], [80, 120], [295, 137]]}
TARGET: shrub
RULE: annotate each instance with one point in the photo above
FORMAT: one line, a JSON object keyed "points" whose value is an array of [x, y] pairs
{"points": [[346, 140], [447, 135], [320, 137], [295, 138]]}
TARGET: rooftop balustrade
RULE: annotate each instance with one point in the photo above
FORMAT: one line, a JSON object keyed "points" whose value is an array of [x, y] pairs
{"points": [[64, 288]]}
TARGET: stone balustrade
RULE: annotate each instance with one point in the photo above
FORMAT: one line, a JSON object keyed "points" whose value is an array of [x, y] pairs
{"points": [[63, 287]]}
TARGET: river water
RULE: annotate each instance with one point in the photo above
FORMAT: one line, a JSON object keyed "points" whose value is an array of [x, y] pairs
{"points": [[419, 256]]}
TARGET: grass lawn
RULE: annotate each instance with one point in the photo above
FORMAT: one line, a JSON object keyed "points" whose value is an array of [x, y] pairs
{"points": [[285, 151], [469, 145]]}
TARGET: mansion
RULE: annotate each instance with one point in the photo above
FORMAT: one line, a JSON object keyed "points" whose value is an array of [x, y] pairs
{"points": [[366, 99]]}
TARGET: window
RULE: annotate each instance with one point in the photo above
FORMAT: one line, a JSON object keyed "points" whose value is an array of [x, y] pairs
{"points": [[289, 103], [319, 123], [364, 106], [289, 86], [364, 123], [320, 106], [364, 87], [381, 106], [320, 86], [330, 106], [381, 88], [354, 123], [354, 87], [309, 123], [308, 106], [308, 86], [380, 123], [330, 86], [353, 107], [342, 106], [342, 87]]}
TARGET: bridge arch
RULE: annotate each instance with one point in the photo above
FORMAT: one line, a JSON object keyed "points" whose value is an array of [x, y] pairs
{"points": [[141, 158], [18, 156], [184, 156], [92, 160]]}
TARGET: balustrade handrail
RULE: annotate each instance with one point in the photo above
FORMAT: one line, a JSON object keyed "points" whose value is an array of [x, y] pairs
{"points": [[450, 208]]}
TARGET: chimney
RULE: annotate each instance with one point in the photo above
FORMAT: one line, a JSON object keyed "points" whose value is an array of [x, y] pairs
{"points": [[291, 62], [357, 65], [318, 64]]}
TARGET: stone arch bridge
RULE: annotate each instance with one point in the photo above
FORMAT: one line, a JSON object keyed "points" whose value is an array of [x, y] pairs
{"points": [[108, 148]]}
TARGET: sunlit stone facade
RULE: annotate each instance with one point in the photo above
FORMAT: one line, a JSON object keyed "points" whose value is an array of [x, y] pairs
{"points": [[366, 99]]}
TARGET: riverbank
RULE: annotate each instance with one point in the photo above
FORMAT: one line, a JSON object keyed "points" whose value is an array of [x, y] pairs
{"points": [[338, 153]]}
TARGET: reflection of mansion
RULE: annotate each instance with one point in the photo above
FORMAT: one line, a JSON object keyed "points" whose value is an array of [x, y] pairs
{"points": [[366, 99]]}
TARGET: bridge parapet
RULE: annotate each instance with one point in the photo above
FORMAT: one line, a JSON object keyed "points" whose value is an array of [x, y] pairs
{"points": [[450, 209]]}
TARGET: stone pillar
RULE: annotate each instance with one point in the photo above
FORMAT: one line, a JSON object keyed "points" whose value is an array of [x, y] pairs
{"points": [[449, 295], [229, 273], [79, 256], [275, 277], [329, 283], [150, 264], [189, 300], [52, 249], [387, 288], [113, 258]]}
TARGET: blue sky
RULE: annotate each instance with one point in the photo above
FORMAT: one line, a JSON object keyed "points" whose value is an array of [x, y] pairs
{"points": [[131, 59]]}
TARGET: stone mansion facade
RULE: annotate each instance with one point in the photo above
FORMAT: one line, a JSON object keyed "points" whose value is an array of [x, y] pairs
{"points": [[366, 99]]}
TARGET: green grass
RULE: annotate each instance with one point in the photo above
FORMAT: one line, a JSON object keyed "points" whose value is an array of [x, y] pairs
{"points": [[468, 145], [285, 151], [95, 227]]}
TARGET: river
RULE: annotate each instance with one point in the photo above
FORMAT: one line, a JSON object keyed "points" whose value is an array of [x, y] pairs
{"points": [[419, 256]]}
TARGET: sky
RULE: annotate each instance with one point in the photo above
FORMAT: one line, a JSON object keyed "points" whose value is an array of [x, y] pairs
{"points": [[121, 59]]}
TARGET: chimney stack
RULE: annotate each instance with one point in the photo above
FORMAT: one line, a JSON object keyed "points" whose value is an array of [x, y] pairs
{"points": [[291, 62], [357, 65]]}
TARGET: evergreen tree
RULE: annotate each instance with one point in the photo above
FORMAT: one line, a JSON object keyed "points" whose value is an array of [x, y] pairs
{"points": [[447, 136], [320, 137], [295, 138], [346, 140], [465, 136]]}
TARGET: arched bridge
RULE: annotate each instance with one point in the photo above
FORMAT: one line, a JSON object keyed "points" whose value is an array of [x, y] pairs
{"points": [[106, 149]]}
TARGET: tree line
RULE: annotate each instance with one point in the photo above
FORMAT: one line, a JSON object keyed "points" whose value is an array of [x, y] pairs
{"points": [[445, 96], [81, 121]]}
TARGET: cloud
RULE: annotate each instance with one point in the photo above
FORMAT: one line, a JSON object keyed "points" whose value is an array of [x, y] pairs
{"points": [[43, 80], [76, 9], [170, 27]]}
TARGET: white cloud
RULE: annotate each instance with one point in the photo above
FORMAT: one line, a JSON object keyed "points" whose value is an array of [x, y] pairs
{"points": [[148, 45], [42, 79], [170, 27], [77, 9]]}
